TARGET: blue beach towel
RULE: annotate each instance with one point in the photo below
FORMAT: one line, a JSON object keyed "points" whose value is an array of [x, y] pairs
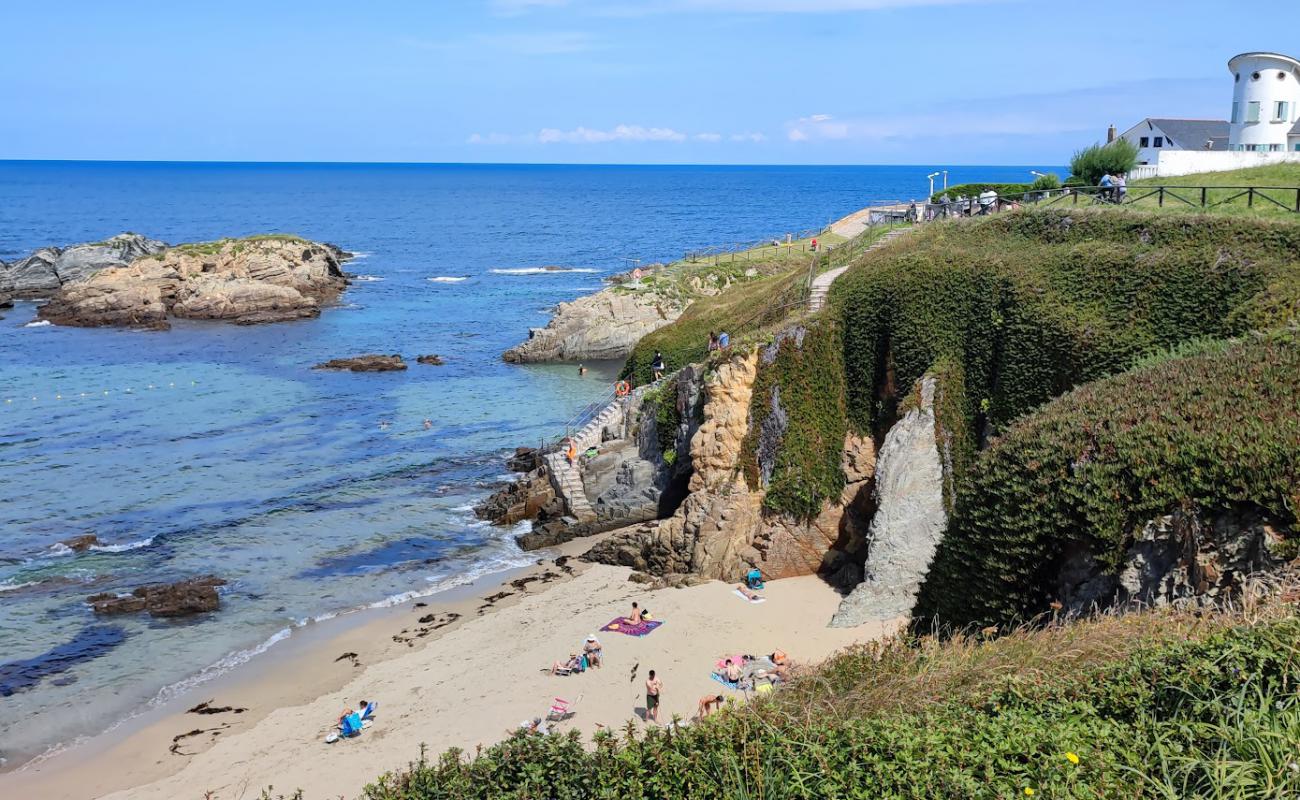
{"points": [[732, 685]]}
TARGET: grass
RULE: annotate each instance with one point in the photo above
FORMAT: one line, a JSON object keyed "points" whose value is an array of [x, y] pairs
{"points": [[1273, 176]]}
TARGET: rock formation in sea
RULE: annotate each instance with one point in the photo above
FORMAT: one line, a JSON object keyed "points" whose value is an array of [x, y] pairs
{"points": [[430, 360], [260, 279], [47, 270], [371, 362], [609, 323], [182, 598]]}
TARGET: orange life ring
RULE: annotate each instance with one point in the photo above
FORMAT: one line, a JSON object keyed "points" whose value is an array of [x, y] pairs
{"points": [[622, 388]]}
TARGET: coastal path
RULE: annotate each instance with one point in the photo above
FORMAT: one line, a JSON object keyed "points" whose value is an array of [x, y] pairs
{"points": [[821, 285]]}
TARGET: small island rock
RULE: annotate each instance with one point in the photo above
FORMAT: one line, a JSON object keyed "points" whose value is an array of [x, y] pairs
{"points": [[431, 360], [366, 363], [190, 596]]}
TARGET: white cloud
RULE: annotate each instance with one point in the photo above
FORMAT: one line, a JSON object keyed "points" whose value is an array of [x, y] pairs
{"points": [[620, 133], [708, 137], [490, 138], [749, 136]]}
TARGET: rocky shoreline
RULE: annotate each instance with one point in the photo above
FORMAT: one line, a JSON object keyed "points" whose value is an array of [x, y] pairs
{"points": [[134, 281]]}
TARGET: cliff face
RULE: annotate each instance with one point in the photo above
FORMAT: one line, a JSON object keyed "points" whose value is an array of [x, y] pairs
{"points": [[720, 530], [246, 281]]}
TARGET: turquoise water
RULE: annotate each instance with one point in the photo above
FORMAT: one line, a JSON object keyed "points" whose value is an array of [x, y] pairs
{"points": [[216, 449]]}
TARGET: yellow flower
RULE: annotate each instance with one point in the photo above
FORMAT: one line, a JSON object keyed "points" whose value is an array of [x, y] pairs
{"points": [[1072, 758], [1029, 791]]}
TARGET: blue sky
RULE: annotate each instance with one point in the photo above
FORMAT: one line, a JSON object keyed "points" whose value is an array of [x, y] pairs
{"points": [[612, 81]]}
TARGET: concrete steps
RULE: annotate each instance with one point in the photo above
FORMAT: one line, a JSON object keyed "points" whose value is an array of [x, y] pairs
{"points": [[821, 285]]}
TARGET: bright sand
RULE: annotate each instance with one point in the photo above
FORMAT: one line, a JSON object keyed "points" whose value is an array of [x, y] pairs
{"points": [[462, 685]]}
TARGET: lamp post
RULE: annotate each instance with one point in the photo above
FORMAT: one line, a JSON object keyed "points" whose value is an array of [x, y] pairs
{"points": [[932, 176], [945, 180]]}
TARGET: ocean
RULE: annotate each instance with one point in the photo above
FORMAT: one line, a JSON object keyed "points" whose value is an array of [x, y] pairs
{"points": [[213, 448]]}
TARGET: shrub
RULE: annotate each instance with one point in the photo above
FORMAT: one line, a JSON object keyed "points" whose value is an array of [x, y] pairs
{"points": [[1046, 182], [973, 190], [1215, 430], [1097, 160]]}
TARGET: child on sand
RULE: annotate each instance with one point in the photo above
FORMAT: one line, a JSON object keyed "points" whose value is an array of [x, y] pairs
{"points": [[709, 704]]}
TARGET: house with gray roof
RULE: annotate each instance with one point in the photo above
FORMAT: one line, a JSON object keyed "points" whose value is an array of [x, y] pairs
{"points": [[1154, 135]]}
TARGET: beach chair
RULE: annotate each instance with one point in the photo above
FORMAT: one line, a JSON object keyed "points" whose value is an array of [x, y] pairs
{"points": [[562, 709]]}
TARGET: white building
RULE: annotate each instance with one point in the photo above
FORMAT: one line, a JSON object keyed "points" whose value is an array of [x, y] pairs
{"points": [[1265, 103], [1264, 127]]}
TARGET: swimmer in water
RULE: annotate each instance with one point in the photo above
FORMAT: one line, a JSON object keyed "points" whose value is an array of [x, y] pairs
{"points": [[582, 369], [383, 424], [428, 423]]}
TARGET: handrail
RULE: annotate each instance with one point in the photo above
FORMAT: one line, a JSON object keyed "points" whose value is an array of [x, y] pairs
{"points": [[1191, 196]]}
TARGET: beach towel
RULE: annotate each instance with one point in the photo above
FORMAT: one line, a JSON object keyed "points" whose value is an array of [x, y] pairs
{"points": [[737, 659], [621, 625], [742, 596], [732, 685]]}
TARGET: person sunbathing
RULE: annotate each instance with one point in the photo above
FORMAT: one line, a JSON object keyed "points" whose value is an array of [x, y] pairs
{"points": [[592, 650], [636, 616], [731, 671], [749, 594], [709, 704], [568, 667]]}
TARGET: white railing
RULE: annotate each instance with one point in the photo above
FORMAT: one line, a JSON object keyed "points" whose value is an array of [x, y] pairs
{"points": [[1143, 171]]}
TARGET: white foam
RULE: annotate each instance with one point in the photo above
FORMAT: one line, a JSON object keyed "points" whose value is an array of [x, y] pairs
{"points": [[40, 323], [542, 270], [367, 278], [463, 509], [122, 548], [13, 587], [447, 279], [220, 668], [360, 255]]}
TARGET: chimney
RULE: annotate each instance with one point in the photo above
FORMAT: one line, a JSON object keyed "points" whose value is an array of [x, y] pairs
{"points": [[1110, 134]]}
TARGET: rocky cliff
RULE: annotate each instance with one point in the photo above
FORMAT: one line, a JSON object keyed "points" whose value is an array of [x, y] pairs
{"points": [[47, 270], [246, 281]]}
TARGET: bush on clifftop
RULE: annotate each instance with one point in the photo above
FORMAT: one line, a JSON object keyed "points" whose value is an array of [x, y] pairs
{"points": [[1215, 431]]}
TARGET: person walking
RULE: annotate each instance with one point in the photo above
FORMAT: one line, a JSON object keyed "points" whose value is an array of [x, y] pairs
{"points": [[653, 686], [657, 366]]}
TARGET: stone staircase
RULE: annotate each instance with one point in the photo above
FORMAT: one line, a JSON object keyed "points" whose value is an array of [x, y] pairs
{"points": [[566, 478], [821, 285]]}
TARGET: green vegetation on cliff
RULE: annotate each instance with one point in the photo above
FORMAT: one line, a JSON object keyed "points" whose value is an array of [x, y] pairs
{"points": [[1030, 305], [1145, 705], [797, 421], [1216, 431]]}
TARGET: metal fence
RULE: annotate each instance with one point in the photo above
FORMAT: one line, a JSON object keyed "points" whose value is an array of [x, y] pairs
{"points": [[1284, 198]]}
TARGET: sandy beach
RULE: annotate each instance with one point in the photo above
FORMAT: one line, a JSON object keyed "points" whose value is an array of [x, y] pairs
{"points": [[478, 670]]}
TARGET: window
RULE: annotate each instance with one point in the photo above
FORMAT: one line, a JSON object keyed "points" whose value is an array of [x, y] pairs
{"points": [[1236, 108], [1160, 141], [1252, 111], [1297, 147], [1281, 111], [1274, 148], [1144, 142]]}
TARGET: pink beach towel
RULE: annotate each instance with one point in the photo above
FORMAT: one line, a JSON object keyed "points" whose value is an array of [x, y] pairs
{"points": [[621, 625], [722, 662]]}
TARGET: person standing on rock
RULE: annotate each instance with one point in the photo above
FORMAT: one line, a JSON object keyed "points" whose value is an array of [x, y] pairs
{"points": [[657, 366]]}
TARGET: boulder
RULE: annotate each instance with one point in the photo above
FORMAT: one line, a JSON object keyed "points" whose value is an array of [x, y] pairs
{"points": [[366, 363], [430, 360], [605, 325], [529, 497], [909, 519], [190, 596], [525, 459], [245, 281], [47, 270], [80, 544]]}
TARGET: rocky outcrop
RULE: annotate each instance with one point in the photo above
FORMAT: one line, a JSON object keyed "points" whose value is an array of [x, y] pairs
{"points": [[82, 543], [191, 596], [605, 325], [1177, 559], [245, 281], [49, 269], [909, 519], [368, 363], [430, 360], [530, 497]]}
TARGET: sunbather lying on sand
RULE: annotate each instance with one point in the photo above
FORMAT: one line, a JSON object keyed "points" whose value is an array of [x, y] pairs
{"points": [[749, 594], [566, 667], [731, 671]]}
